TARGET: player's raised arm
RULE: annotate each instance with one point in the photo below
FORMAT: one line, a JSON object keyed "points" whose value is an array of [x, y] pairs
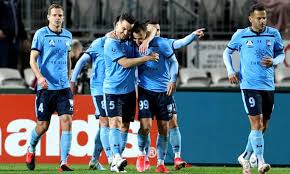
{"points": [[188, 39]]}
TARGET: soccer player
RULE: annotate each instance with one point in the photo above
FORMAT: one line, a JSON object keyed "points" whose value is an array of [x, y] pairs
{"points": [[49, 60], [95, 54], [119, 84], [174, 133], [157, 83], [260, 48]]}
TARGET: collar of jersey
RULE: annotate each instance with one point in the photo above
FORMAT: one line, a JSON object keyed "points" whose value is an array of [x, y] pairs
{"points": [[57, 33], [257, 32]]}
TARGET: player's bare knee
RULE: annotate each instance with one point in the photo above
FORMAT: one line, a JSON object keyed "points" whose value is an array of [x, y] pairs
{"points": [[163, 129], [104, 122], [42, 127], [173, 123], [145, 129], [66, 119]]}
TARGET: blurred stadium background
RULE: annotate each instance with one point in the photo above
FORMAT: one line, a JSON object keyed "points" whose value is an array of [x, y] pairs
{"points": [[207, 102]]}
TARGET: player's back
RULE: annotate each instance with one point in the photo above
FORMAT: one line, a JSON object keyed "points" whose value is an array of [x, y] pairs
{"points": [[118, 80], [96, 52], [53, 55], [253, 47], [155, 75]]}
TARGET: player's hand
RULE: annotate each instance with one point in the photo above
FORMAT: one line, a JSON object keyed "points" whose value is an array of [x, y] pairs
{"points": [[234, 79], [199, 32], [267, 61], [42, 82], [143, 47], [72, 87], [171, 88], [112, 34], [154, 56]]}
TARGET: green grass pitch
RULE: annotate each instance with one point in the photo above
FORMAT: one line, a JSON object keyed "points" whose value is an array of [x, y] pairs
{"points": [[83, 169]]}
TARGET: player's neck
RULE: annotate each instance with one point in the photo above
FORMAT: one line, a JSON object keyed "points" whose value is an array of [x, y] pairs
{"points": [[256, 30], [54, 28]]}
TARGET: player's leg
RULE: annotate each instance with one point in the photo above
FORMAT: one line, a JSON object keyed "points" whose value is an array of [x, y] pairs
{"points": [[145, 127], [147, 151], [104, 135], [163, 115], [94, 163], [64, 108], [37, 132], [175, 141], [43, 109], [129, 112], [252, 103], [162, 145], [267, 108], [146, 110], [124, 135], [114, 111]]}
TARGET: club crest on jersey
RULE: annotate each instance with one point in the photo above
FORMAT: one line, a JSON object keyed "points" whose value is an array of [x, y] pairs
{"points": [[268, 42], [51, 43], [249, 43]]}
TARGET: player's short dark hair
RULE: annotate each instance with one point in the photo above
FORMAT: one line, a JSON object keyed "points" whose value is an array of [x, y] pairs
{"points": [[127, 17], [54, 6], [256, 7], [152, 21], [138, 27], [116, 20]]}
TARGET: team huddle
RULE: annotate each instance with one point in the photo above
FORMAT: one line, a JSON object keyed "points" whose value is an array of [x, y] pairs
{"points": [[131, 62]]}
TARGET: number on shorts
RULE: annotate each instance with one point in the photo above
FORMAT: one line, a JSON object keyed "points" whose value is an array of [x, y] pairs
{"points": [[252, 102], [112, 105], [143, 104], [40, 108], [103, 104]]}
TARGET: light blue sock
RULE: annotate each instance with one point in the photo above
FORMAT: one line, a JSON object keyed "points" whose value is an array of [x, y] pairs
{"points": [[249, 150], [98, 147], [115, 139], [175, 140], [124, 137], [257, 141], [162, 146], [33, 141], [65, 143], [147, 147], [104, 135], [142, 141]]}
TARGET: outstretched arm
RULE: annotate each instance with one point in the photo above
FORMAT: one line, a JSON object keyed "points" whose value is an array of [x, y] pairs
{"points": [[188, 39]]}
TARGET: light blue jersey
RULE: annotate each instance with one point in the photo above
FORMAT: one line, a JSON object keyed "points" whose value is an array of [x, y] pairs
{"points": [[155, 76], [52, 61], [95, 53], [179, 43], [118, 80], [252, 48]]}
